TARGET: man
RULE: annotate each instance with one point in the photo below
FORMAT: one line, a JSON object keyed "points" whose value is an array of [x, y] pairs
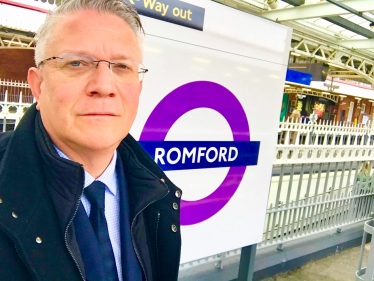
{"points": [[79, 198]]}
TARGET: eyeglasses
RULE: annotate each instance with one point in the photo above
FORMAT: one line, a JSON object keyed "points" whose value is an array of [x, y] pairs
{"points": [[79, 65]]}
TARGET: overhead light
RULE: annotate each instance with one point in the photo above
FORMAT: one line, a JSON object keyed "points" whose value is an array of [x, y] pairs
{"points": [[300, 97], [295, 54], [305, 89], [342, 97], [357, 98], [273, 4], [287, 86], [371, 101], [371, 25]]}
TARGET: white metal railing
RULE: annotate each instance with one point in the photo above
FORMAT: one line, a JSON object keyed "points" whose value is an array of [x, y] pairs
{"points": [[15, 99], [302, 131], [317, 197], [318, 185], [303, 141]]}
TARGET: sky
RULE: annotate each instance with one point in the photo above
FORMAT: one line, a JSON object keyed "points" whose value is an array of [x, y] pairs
{"points": [[23, 18]]}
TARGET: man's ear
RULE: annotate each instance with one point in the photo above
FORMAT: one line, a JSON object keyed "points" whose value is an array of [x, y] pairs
{"points": [[35, 79]]}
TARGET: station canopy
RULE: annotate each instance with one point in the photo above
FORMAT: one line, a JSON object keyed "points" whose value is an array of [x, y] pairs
{"points": [[339, 33]]}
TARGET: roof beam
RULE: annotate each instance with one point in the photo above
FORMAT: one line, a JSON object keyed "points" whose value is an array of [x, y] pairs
{"points": [[358, 44], [324, 9], [342, 22], [337, 72], [346, 76], [349, 9], [351, 26]]}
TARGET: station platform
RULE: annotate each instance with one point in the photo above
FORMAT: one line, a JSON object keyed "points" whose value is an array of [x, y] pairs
{"points": [[340, 266]]}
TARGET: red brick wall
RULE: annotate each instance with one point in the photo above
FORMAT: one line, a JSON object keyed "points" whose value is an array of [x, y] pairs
{"points": [[357, 111], [344, 105], [14, 63]]}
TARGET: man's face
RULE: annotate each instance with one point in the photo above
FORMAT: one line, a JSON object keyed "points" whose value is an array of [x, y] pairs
{"points": [[94, 112]]}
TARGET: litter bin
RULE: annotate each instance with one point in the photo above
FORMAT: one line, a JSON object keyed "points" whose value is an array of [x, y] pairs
{"points": [[366, 273]]}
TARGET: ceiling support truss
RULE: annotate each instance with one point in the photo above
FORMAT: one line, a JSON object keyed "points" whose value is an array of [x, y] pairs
{"points": [[345, 59], [324, 9], [15, 41]]}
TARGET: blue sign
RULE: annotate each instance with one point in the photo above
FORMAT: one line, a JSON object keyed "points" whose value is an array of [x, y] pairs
{"points": [[298, 77], [171, 11], [186, 155]]}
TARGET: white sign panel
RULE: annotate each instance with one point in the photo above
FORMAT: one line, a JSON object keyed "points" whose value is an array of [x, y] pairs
{"points": [[209, 116]]}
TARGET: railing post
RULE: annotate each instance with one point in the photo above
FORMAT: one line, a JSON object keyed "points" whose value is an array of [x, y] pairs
{"points": [[247, 262], [4, 124], [313, 121], [20, 97]]}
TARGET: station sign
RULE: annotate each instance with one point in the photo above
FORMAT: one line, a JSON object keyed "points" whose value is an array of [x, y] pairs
{"points": [[173, 11], [208, 116]]}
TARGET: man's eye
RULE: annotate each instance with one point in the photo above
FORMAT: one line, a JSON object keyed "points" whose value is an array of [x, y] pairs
{"points": [[75, 63], [122, 66]]}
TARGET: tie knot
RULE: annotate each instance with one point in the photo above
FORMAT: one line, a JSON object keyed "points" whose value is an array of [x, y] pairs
{"points": [[95, 193]]}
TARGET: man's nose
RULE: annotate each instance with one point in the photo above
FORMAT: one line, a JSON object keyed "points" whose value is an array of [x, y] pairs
{"points": [[102, 81]]}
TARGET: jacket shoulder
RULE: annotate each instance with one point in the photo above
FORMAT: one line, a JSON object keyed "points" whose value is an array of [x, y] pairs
{"points": [[4, 141]]}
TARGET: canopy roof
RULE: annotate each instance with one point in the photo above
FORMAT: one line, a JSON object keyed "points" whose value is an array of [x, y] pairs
{"points": [[336, 32]]}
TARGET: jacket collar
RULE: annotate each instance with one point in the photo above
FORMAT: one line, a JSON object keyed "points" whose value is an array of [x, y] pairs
{"points": [[145, 179]]}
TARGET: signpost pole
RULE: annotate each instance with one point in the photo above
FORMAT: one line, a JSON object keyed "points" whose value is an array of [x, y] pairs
{"points": [[247, 262]]}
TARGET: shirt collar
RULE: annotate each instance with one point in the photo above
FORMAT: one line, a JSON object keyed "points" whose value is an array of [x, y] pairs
{"points": [[108, 177]]}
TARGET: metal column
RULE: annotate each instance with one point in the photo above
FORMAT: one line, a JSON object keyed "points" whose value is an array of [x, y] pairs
{"points": [[247, 262]]}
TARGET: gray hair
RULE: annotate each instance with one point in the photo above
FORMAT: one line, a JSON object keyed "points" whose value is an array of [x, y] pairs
{"points": [[116, 7]]}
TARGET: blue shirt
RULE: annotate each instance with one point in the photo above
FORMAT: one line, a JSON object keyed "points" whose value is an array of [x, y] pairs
{"points": [[112, 207]]}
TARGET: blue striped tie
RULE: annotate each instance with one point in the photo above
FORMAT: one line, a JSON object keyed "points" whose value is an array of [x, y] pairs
{"points": [[95, 193]]}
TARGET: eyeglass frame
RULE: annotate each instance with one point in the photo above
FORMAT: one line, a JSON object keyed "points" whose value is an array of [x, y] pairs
{"points": [[143, 70]]}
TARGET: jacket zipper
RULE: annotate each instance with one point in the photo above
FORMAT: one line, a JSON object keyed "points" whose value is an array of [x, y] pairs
{"points": [[66, 241], [158, 222], [132, 236]]}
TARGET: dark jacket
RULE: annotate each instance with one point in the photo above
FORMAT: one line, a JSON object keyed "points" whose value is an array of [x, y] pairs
{"points": [[39, 196]]}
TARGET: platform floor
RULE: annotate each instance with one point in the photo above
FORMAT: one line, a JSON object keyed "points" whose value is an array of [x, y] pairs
{"points": [[340, 266]]}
